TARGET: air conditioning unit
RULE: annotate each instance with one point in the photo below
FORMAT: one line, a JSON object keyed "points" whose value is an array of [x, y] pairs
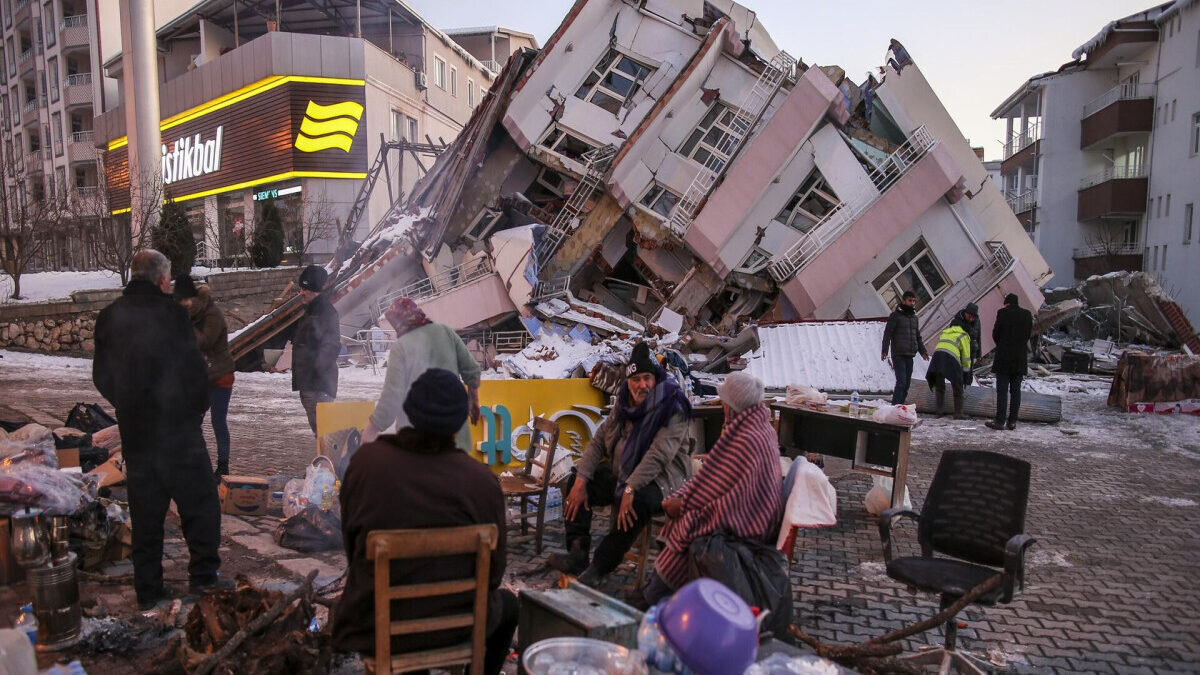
{"points": [[422, 81]]}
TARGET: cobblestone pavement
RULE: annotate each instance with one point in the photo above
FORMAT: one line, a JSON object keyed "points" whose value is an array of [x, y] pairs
{"points": [[1112, 584]]}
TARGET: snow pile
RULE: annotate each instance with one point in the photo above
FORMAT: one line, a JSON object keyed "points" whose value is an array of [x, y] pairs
{"points": [[45, 286], [398, 224], [555, 356]]}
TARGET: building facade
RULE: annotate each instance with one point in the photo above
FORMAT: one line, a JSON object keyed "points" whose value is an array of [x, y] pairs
{"points": [[1101, 155], [492, 45]]}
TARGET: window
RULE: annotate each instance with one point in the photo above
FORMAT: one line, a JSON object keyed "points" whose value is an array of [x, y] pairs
{"points": [[914, 271], [50, 23], [61, 172], [659, 200], [439, 72], [613, 81], [1158, 209], [550, 181], [42, 77], [470, 93], [53, 65], [1195, 145], [412, 130], [1188, 212], [712, 141], [454, 81], [1173, 102], [565, 144], [399, 128], [56, 132], [1167, 211], [809, 205], [1164, 258], [756, 261], [12, 58], [1154, 264]]}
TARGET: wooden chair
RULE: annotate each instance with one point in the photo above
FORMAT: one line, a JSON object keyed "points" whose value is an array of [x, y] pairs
{"points": [[525, 485], [384, 546]]}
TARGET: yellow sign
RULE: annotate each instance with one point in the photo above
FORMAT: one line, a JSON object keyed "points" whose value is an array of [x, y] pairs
{"points": [[329, 126], [507, 410], [339, 430]]}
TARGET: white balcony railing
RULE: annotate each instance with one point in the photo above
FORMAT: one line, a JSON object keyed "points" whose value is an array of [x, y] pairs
{"points": [[1112, 173], [29, 106], [1023, 202], [82, 137], [1019, 140], [936, 316], [73, 21], [1101, 250], [1121, 92], [78, 78], [438, 284], [839, 219], [492, 65], [25, 55]]}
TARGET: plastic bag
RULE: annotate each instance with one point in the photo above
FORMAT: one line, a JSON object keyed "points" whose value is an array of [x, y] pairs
{"points": [[802, 393], [31, 444], [89, 417], [752, 569], [299, 494], [811, 500], [309, 531], [879, 497], [59, 493], [786, 664], [905, 415]]}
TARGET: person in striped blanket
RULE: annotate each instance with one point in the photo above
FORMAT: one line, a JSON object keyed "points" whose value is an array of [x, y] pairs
{"points": [[738, 489]]}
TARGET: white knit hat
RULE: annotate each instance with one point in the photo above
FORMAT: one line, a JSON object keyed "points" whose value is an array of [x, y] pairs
{"points": [[740, 391]]}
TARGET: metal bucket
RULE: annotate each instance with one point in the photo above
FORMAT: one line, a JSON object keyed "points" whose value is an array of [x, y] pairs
{"points": [[56, 603]]}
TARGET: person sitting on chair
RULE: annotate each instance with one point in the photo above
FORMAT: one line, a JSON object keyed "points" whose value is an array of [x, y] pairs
{"points": [[737, 490], [418, 478], [638, 454]]}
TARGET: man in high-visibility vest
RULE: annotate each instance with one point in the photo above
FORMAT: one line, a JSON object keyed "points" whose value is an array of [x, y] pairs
{"points": [[951, 361]]}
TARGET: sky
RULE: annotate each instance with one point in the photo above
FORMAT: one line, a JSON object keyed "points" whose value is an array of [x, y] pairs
{"points": [[974, 54]]}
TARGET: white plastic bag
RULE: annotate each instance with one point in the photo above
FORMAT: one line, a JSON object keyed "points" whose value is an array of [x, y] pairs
{"points": [[297, 494], [802, 393], [905, 415], [879, 497]]}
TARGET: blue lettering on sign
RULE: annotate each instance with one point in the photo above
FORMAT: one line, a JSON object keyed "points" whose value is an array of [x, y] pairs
{"points": [[497, 429]]}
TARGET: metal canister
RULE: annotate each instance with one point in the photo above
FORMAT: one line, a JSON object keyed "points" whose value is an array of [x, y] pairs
{"points": [[56, 604]]}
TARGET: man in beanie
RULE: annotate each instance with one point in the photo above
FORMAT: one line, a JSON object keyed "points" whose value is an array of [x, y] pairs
{"points": [[418, 478], [638, 455], [968, 319], [421, 344], [737, 491], [902, 337], [212, 336], [1014, 326], [315, 345]]}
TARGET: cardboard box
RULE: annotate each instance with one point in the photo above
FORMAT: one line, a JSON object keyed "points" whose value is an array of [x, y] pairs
{"points": [[68, 458], [244, 495]]}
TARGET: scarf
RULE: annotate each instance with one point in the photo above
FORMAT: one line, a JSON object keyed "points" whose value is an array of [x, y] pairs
{"points": [[661, 404], [404, 315]]}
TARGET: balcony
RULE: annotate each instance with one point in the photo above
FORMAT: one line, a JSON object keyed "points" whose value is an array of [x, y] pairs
{"points": [[1105, 258], [25, 63], [1020, 141], [77, 90], [1124, 109], [460, 297], [29, 113], [1114, 192], [1024, 207], [22, 11], [80, 147], [35, 162], [936, 316], [73, 32]]}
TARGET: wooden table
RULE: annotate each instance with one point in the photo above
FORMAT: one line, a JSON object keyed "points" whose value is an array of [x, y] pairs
{"points": [[707, 421], [866, 443]]}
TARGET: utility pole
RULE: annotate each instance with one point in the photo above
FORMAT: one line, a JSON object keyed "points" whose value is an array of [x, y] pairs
{"points": [[140, 66]]}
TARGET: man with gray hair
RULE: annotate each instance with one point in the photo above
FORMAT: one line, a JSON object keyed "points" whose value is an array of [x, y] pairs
{"points": [[149, 368], [738, 490]]}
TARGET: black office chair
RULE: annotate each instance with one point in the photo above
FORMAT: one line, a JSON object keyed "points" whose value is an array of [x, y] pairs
{"points": [[975, 514]]}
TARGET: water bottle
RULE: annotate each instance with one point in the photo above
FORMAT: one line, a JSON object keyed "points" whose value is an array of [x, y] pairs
{"points": [[28, 623], [327, 498], [854, 399]]}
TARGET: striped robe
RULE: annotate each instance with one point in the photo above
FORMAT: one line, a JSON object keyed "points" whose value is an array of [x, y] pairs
{"points": [[739, 490]]}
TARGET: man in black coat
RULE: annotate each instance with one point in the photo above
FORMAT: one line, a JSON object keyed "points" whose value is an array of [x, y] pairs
{"points": [[902, 336], [418, 478], [1014, 325], [316, 345], [149, 368]]}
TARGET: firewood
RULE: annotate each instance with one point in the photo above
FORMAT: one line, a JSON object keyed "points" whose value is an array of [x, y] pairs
{"points": [[258, 624]]}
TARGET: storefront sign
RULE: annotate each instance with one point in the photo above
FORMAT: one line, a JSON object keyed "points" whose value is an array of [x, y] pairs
{"points": [[191, 157], [276, 193]]}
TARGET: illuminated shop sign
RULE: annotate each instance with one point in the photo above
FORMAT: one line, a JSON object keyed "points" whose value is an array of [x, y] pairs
{"points": [[191, 157], [275, 193], [329, 126]]}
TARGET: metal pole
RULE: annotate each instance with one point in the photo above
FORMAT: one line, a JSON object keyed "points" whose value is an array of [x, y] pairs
{"points": [[358, 18], [236, 42], [141, 112]]}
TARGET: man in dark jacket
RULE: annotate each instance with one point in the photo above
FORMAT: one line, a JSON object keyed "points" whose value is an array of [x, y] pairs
{"points": [[1014, 325], [212, 337], [968, 319], [316, 345], [418, 478], [902, 336], [148, 367]]}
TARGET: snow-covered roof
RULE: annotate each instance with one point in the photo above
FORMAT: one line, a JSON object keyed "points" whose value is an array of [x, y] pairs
{"points": [[1175, 8], [833, 356], [1100, 38]]}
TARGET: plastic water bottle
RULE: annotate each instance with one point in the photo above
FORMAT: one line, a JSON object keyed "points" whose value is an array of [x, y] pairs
{"points": [[27, 622], [854, 399]]}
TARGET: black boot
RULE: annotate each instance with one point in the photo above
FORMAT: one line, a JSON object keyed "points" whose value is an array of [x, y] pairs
{"points": [[591, 577], [958, 405], [222, 469], [573, 561], [939, 397]]}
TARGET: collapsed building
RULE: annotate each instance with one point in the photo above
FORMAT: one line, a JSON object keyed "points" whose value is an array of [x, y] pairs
{"points": [[664, 163]]}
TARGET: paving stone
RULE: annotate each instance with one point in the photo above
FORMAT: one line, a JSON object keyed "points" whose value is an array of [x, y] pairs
{"points": [[301, 567]]}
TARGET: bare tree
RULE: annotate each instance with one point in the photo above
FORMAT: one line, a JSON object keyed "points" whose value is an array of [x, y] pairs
{"points": [[310, 220], [116, 241], [30, 220]]}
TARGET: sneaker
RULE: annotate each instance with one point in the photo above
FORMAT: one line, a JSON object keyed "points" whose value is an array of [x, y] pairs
{"points": [[1011, 426], [993, 425], [214, 584]]}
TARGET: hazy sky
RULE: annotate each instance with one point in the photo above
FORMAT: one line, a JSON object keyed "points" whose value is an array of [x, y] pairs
{"points": [[974, 54]]}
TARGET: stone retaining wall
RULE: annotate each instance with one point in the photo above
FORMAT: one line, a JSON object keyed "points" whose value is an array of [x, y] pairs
{"points": [[67, 325]]}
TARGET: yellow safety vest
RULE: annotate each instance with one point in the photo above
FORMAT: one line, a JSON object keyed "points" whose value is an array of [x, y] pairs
{"points": [[956, 342]]}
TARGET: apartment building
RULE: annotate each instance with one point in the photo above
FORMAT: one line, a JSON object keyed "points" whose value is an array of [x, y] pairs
{"points": [[47, 96], [492, 45], [680, 161], [1101, 155]]}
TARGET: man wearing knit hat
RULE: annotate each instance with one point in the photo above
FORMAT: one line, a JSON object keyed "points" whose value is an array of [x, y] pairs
{"points": [[638, 455], [417, 478], [1014, 326], [315, 345]]}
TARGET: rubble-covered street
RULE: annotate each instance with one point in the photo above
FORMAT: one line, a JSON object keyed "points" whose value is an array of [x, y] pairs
{"points": [[1108, 589]]}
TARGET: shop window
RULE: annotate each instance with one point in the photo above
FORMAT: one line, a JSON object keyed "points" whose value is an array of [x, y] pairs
{"points": [[613, 81], [566, 144], [439, 72], [659, 200], [915, 271], [712, 141], [811, 202]]}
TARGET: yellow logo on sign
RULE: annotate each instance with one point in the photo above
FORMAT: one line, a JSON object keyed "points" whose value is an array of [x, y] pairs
{"points": [[329, 126]]}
